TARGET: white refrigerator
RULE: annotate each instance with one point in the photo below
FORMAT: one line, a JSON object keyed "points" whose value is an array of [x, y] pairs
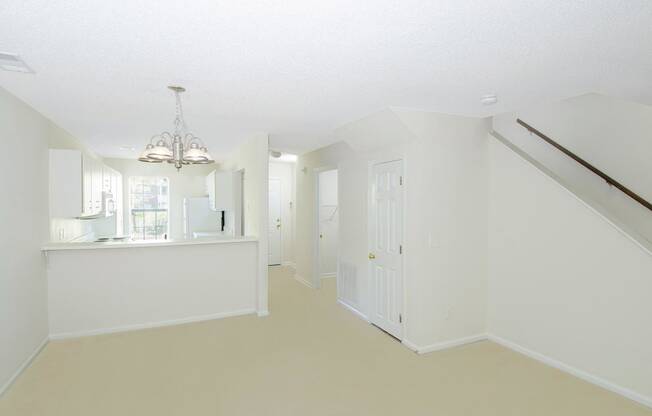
{"points": [[199, 220]]}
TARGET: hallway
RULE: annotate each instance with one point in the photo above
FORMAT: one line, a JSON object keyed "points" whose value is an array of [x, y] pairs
{"points": [[309, 357]]}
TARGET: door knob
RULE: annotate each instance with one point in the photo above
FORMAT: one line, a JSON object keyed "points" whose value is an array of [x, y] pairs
{"points": [[278, 225], [372, 256]]}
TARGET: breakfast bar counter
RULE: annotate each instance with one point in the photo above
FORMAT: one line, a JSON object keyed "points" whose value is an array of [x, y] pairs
{"points": [[94, 245], [97, 288]]}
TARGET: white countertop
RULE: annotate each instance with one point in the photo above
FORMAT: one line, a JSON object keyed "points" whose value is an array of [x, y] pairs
{"points": [[129, 244]]}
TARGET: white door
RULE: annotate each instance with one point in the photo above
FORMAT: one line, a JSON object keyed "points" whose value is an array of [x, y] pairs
{"points": [[328, 223], [274, 222], [385, 246]]}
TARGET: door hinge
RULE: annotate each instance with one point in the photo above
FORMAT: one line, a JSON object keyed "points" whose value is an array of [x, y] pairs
{"points": [[400, 318], [400, 249], [400, 180]]}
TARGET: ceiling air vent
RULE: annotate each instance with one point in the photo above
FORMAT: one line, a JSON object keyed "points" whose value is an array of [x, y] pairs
{"points": [[13, 62]]}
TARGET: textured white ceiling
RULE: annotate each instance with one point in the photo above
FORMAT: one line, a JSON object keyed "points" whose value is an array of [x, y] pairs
{"points": [[299, 68]]}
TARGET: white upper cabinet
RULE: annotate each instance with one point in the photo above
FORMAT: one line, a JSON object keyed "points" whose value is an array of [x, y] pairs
{"points": [[78, 183], [224, 190], [87, 182], [91, 184], [110, 179], [96, 187], [107, 177]]}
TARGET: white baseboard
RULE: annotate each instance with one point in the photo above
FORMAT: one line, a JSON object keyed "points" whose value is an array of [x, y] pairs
{"points": [[126, 328], [444, 345], [328, 275], [262, 314], [632, 395], [354, 310], [23, 366], [410, 345], [301, 280], [289, 264]]}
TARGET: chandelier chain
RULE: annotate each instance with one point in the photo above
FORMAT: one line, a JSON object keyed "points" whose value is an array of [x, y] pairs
{"points": [[179, 121]]}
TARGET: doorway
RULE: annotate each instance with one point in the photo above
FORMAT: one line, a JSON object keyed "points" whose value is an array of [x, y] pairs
{"points": [[274, 218], [327, 220], [386, 246]]}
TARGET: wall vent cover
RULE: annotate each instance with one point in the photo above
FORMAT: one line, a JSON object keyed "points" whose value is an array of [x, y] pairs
{"points": [[14, 63]]}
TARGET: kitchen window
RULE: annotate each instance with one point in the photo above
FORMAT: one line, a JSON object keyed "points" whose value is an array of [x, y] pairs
{"points": [[149, 201]]}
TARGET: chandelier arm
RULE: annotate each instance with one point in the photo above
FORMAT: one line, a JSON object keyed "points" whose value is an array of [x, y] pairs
{"points": [[190, 138], [187, 139], [167, 137]]}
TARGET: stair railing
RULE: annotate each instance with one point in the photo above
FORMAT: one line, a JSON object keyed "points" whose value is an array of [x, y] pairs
{"points": [[611, 181]]}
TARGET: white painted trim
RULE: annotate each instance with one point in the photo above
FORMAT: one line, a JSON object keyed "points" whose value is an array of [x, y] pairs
{"points": [[410, 345], [289, 264], [172, 322], [445, 344], [354, 310], [588, 377], [316, 272], [328, 275], [303, 281], [262, 314], [24, 366], [280, 191]]}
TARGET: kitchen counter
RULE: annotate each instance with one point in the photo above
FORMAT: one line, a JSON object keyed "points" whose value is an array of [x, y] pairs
{"points": [[90, 245]]}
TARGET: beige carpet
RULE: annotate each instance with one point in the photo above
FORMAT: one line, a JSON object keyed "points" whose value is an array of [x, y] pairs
{"points": [[310, 357]]}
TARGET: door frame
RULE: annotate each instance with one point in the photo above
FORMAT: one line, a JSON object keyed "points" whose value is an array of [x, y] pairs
{"points": [[316, 272], [280, 192], [239, 214], [370, 284]]}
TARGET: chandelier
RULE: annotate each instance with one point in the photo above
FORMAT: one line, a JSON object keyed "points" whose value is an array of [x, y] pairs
{"points": [[180, 147]]}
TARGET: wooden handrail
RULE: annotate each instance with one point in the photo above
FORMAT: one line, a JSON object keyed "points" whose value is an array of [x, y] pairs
{"points": [[611, 181]]}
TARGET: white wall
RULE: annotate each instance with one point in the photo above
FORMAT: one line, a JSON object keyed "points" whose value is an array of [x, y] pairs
{"points": [[104, 290], [564, 282], [445, 212], [189, 182], [253, 158], [446, 227], [285, 172], [611, 134], [24, 225], [328, 187], [328, 223], [81, 230]]}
